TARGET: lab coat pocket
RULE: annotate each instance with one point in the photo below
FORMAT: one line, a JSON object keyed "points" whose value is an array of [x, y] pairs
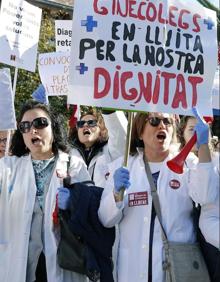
{"points": [[123, 265]]}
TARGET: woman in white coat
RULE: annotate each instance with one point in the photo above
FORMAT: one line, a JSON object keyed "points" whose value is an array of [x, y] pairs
{"points": [[28, 186], [208, 215], [140, 252], [98, 139], [209, 218]]}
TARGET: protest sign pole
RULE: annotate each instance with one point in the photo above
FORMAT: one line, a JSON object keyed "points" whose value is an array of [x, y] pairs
{"points": [[15, 80], [9, 131], [127, 149]]}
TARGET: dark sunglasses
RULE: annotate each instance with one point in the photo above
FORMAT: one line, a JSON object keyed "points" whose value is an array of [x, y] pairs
{"points": [[38, 123], [90, 123], [155, 121], [3, 141]]}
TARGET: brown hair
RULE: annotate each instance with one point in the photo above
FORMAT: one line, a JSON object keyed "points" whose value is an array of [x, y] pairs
{"points": [[138, 128], [180, 130], [100, 121]]}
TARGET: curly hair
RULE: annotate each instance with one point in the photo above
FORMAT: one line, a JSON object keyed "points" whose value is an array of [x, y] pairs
{"points": [[73, 133], [18, 147], [138, 128]]}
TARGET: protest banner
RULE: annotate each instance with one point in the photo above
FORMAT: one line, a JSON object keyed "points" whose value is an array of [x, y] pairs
{"points": [[54, 72], [19, 33], [63, 35], [7, 111], [215, 93], [143, 55]]}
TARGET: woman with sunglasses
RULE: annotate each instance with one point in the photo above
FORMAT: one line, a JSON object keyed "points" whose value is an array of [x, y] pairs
{"points": [[98, 139], [140, 252], [29, 180]]}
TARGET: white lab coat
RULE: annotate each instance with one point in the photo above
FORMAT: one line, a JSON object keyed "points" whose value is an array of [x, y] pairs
{"points": [[209, 223], [134, 221], [116, 124], [17, 198], [209, 220]]}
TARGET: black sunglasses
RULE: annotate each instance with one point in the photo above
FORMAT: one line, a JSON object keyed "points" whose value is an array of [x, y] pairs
{"points": [[38, 123], [3, 140], [90, 123], [155, 121]]}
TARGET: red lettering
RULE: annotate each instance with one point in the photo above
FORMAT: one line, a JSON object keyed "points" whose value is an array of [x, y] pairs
{"points": [[116, 83], [145, 89], [139, 14], [101, 11], [152, 17], [160, 12], [195, 21], [131, 9], [133, 92], [119, 11], [180, 93], [182, 24], [167, 76], [156, 92], [194, 81], [121, 85], [107, 80], [171, 15]]}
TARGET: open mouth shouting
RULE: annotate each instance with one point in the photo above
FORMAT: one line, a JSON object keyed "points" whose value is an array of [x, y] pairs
{"points": [[36, 141], [86, 132], [161, 136]]}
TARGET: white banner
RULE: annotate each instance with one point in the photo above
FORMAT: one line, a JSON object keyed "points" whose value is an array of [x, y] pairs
{"points": [[215, 91], [19, 33], [7, 111], [63, 35], [143, 55], [54, 72]]}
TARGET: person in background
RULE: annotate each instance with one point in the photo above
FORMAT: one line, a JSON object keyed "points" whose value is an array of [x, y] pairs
{"points": [[185, 131], [207, 215], [140, 253], [98, 139], [3, 142], [28, 187]]}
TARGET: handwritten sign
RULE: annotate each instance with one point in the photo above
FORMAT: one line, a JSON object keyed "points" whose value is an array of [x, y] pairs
{"points": [[54, 72], [19, 33], [143, 55], [63, 35]]}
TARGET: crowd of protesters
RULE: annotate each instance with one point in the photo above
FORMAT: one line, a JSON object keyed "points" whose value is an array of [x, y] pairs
{"points": [[41, 155]]}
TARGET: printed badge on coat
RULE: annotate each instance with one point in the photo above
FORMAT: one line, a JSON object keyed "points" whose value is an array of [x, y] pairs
{"points": [[174, 184], [138, 199]]}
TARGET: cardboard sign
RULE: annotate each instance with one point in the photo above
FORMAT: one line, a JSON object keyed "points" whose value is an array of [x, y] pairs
{"points": [[143, 55], [54, 72], [19, 33], [63, 35]]}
